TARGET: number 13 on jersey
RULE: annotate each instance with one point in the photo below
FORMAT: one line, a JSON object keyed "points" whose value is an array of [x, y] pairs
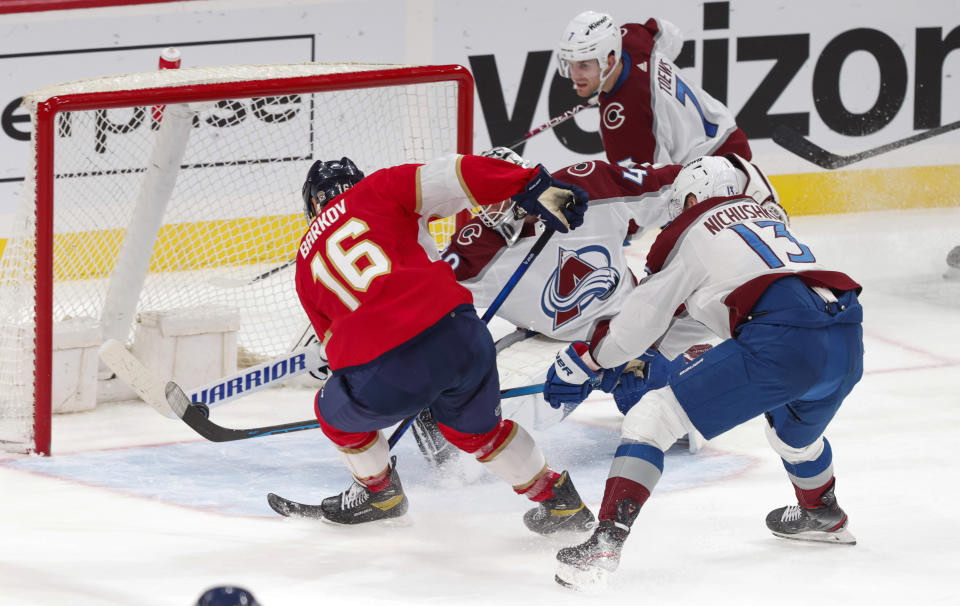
{"points": [[352, 269], [769, 256]]}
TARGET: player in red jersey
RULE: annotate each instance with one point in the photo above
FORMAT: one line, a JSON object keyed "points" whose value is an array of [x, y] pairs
{"points": [[401, 335], [648, 111]]}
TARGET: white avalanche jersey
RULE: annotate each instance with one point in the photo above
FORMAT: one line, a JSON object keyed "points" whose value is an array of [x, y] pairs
{"points": [[655, 114], [716, 258], [581, 276]]}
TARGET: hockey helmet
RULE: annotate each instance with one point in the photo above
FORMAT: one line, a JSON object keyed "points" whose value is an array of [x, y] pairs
{"points": [[506, 218], [590, 36], [327, 180], [705, 177]]}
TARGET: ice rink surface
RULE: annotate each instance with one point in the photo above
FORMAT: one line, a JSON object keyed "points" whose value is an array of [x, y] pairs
{"points": [[137, 509]]}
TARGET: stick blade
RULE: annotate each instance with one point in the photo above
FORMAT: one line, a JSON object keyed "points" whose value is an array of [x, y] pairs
{"points": [[176, 399], [131, 371]]}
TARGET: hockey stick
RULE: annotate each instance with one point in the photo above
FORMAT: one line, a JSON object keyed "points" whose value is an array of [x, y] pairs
{"points": [[221, 282], [499, 299], [216, 433], [194, 417], [237, 385], [149, 386], [132, 372], [171, 397], [573, 111], [495, 306], [517, 274], [794, 142]]}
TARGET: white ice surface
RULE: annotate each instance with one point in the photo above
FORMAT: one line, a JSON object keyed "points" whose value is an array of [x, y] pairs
{"points": [[134, 508]]}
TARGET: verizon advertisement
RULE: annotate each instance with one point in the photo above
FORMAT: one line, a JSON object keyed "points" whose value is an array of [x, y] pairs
{"points": [[847, 78]]}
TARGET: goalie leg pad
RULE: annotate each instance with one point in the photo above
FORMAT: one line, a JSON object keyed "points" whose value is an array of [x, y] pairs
{"points": [[531, 411]]}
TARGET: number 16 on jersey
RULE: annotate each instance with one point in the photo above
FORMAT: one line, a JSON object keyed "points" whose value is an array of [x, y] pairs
{"points": [[353, 268]]}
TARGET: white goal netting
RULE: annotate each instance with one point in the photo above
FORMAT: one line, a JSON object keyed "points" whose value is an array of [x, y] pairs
{"points": [[181, 189]]}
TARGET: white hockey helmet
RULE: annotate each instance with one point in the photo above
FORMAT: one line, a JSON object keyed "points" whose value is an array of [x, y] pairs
{"points": [[506, 218], [705, 177], [590, 36]]}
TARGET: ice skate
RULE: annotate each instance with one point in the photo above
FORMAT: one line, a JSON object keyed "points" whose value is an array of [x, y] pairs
{"points": [[826, 523], [358, 504], [585, 567], [563, 512]]}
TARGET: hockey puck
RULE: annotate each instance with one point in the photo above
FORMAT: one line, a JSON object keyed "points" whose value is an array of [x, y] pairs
{"points": [[203, 408], [953, 257]]}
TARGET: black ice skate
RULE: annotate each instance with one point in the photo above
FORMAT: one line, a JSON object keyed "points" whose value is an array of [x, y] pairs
{"points": [[585, 566], [563, 512], [358, 504], [435, 448], [826, 523]]}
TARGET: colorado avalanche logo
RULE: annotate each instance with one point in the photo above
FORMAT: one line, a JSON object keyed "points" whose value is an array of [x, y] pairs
{"points": [[581, 277], [613, 116], [583, 169]]}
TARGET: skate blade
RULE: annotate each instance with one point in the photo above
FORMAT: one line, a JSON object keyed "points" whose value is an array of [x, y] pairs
{"points": [[586, 580], [842, 536], [565, 533], [399, 522]]}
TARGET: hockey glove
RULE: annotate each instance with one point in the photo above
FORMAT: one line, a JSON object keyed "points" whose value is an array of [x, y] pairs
{"points": [[321, 374], [570, 380], [560, 206], [772, 207], [650, 371]]}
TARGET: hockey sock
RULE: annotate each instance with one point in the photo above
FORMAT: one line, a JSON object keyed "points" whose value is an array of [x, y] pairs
{"points": [[812, 498], [510, 453], [364, 453], [634, 473], [541, 487], [616, 491]]}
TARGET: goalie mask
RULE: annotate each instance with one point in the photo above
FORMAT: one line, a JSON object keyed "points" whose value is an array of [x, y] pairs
{"points": [[506, 218], [327, 180], [706, 177], [590, 36]]}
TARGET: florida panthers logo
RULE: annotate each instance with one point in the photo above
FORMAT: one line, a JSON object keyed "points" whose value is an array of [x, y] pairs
{"points": [[581, 277]]}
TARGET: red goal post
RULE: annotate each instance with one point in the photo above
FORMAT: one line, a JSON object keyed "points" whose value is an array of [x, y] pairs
{"points": [[78, 208]]}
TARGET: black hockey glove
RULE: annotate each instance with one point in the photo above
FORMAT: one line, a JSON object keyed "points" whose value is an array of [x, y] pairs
{"points": [[560, 206]]}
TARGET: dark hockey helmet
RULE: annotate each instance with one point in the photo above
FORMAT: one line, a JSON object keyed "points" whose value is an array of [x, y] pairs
{"points": [[227, 596], [327, 180]]}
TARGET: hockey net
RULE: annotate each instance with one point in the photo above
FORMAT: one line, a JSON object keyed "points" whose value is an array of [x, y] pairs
{"points": [[180, 189]]}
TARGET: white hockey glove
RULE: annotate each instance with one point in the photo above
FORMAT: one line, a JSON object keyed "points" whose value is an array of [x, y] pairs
{"points": [[309, 337], [772, 207], [560, 206]]}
